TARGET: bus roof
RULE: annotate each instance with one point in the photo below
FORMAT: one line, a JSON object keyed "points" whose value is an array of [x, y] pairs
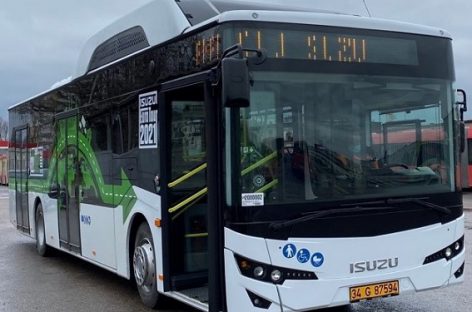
{"points": [[333, 19], [162, 20]]}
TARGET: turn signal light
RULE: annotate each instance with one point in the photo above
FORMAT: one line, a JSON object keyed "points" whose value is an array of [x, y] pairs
{"points": [[271, 274]]}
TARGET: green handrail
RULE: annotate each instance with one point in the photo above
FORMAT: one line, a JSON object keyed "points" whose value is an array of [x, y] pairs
{"points": [[204, 191], [269, 185], [187, 175], [196, 235], [261, 162], [188, 200]]}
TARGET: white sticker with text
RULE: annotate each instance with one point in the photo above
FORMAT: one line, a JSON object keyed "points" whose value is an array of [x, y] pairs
{"points": [[252, 199], [148, 123]]}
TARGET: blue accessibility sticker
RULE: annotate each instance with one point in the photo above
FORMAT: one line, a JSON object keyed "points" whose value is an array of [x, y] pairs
{"points": [[317, 259], [289, 251], [303, 255]]}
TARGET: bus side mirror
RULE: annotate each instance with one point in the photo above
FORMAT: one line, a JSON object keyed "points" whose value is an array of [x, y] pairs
{"points": [[235, 82], [462, 102]]}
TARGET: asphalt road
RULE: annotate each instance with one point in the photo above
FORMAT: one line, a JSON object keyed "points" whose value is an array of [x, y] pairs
{"points": [[29, 282]]}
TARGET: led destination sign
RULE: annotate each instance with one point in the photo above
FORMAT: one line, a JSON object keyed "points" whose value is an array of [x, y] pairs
{"points": [[335, 47], [311, 45]]}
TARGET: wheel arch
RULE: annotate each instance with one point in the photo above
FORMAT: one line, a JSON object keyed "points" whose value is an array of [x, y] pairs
{"points": [[136, 220], [37, 201]]}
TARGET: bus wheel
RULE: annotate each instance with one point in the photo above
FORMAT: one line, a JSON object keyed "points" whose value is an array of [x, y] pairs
{"points": [[41, 247], [144, 266]]}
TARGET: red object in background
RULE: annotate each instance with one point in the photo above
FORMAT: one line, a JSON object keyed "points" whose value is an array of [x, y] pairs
{"points": [[467, 157], [4, 162]]}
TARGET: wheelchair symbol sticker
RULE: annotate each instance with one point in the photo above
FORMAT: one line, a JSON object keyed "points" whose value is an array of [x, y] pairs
{"points": [[303, 255]]}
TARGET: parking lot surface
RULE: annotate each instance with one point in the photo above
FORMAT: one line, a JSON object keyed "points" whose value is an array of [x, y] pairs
{"points": [[62, 282]]}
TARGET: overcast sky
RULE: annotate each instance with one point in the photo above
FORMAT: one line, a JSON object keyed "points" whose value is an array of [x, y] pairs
{"points": [[40, 40]]}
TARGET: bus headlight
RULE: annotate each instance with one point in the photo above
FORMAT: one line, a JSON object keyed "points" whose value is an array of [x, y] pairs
{"points": [[447, 253], [271, 274], [276, 275], [259, 272]]}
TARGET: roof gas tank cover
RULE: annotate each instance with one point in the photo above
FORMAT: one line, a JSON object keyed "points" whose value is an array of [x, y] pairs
{"points": [[150, 25], [118, 46]]}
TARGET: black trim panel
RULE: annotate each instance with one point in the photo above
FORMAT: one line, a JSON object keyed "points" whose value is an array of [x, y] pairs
{"points": [[408, 216]]}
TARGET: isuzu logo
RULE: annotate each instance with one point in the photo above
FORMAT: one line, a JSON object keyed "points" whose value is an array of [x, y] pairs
{"points": [[382, 264]]}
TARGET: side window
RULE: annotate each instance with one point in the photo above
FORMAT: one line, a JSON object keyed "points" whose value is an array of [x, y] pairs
{"points": [[97, 118], [117, 133], [40, 155], [133, 127], [100, 126], [125, 129]]}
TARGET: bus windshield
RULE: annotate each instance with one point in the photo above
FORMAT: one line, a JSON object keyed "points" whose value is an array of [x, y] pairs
{"points": [[331, 137], [344, 114]]}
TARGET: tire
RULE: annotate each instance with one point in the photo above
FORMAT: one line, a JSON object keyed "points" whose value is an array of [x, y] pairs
{"points": [[144, 267], [41, 247]]}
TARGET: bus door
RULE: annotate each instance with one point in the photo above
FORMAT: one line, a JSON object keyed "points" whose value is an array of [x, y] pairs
{"points": [[190, 186], [68, 180], [185, 186], [21, 179]]}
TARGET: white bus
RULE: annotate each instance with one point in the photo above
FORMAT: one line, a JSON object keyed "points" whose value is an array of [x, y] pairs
{"points": [[249, 157]]}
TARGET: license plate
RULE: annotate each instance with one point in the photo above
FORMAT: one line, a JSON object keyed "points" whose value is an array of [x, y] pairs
{"points": [[384, 289]]}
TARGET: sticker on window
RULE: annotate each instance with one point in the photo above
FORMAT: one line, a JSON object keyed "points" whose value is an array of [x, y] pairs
{"points": [[252, 199], [148, 123]]}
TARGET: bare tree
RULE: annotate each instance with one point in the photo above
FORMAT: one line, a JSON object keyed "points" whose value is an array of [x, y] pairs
{"points": [[3, 129]]}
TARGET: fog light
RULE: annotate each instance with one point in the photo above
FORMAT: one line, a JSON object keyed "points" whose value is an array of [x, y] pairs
{"points": [[460, 271], [259, 272], [457, 246], [448, 252], [276, 275], [258, 301]]}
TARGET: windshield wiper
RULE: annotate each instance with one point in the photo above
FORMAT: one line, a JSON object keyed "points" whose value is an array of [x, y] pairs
{"points": [[393, 201], [419, 201], [277, 225], [360, 207]]}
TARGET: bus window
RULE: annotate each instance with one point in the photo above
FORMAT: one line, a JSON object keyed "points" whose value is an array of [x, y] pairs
{"points": [[100, 133], [124, 129], [133, 130], [119, 133]]}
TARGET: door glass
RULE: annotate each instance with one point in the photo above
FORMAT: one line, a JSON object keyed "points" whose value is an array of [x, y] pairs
{"points": [[188, 138], [68, 181], [61, 169], [18, 178], [187, 189], [21, 174]]}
